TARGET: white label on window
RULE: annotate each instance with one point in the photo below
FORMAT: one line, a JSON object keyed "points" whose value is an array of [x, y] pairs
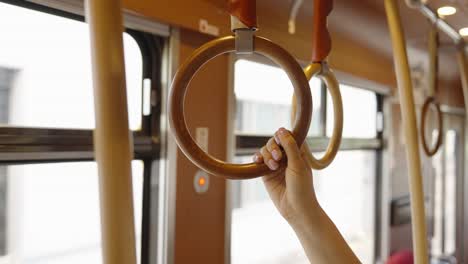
{"points": [[201, 136], [206, 28], [380, 122], [147, 97]]}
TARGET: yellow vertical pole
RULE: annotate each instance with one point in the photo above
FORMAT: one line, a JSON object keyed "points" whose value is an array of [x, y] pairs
{"points": [[112, 144], [405, 88], [462, 64]]}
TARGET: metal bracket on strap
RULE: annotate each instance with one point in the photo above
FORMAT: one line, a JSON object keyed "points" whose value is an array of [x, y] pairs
{"points": [[244, 41]]}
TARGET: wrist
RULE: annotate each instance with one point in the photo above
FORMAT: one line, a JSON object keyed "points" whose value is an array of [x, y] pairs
{"points": [[308, 219]]}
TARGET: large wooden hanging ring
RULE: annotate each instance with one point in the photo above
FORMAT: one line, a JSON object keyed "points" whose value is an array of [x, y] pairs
{"points": [[182, 79], [326, 75], [425, 111]]}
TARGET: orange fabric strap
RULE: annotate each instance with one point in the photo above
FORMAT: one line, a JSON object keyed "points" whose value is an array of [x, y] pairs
{"points": [[245, 11], [321, 41]]}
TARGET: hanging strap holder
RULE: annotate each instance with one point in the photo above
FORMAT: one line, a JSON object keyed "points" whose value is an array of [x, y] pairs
{"points": [[321, 40], [243, 24]]}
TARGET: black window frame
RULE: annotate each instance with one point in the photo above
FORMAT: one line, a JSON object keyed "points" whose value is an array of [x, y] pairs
{"points": [[29, 145]]}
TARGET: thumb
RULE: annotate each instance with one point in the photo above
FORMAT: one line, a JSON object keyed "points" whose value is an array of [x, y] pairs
{"points": [[289, 145], [298, 174]]}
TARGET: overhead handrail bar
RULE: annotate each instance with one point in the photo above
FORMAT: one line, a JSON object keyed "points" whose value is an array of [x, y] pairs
{"points": [[244, 41], [441, 24], [408, 114], [433, 45], [321, 47], [112, 144]]}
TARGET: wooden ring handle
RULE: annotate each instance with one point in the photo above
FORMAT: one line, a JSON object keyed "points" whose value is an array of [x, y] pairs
{"points": [[321, 40], [189, 68], [328, 77], [425, 110]]}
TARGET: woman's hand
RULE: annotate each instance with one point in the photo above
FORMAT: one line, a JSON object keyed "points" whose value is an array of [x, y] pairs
{"points": [[292, 192], [291, 189]]}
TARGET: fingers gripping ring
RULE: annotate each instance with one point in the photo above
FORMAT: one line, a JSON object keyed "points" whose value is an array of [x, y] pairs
{"points": [[182, 79], [425, 111], [326, 75]]}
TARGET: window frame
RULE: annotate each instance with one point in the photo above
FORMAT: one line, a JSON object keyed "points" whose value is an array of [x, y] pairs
{"points": [[28, 145], [246, 144]]}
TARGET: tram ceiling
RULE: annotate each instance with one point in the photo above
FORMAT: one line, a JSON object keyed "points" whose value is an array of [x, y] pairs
{"points": [[417, 29], [458, 20], [364, 22]]}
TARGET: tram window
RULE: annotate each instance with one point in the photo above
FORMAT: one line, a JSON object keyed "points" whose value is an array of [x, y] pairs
{"points": [[53, 83], [450, 192], [254, 213], [53, 212], [49, 212], [447, 165], [263, 94], [347, 195], [346, 191], [359, 106]]}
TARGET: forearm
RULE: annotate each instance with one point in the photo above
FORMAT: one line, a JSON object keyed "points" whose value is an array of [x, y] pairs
{"points": [[321, 240]]}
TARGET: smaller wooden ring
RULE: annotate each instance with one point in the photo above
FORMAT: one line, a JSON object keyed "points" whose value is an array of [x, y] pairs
{"points": [[315, 69], [425, 111]]}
